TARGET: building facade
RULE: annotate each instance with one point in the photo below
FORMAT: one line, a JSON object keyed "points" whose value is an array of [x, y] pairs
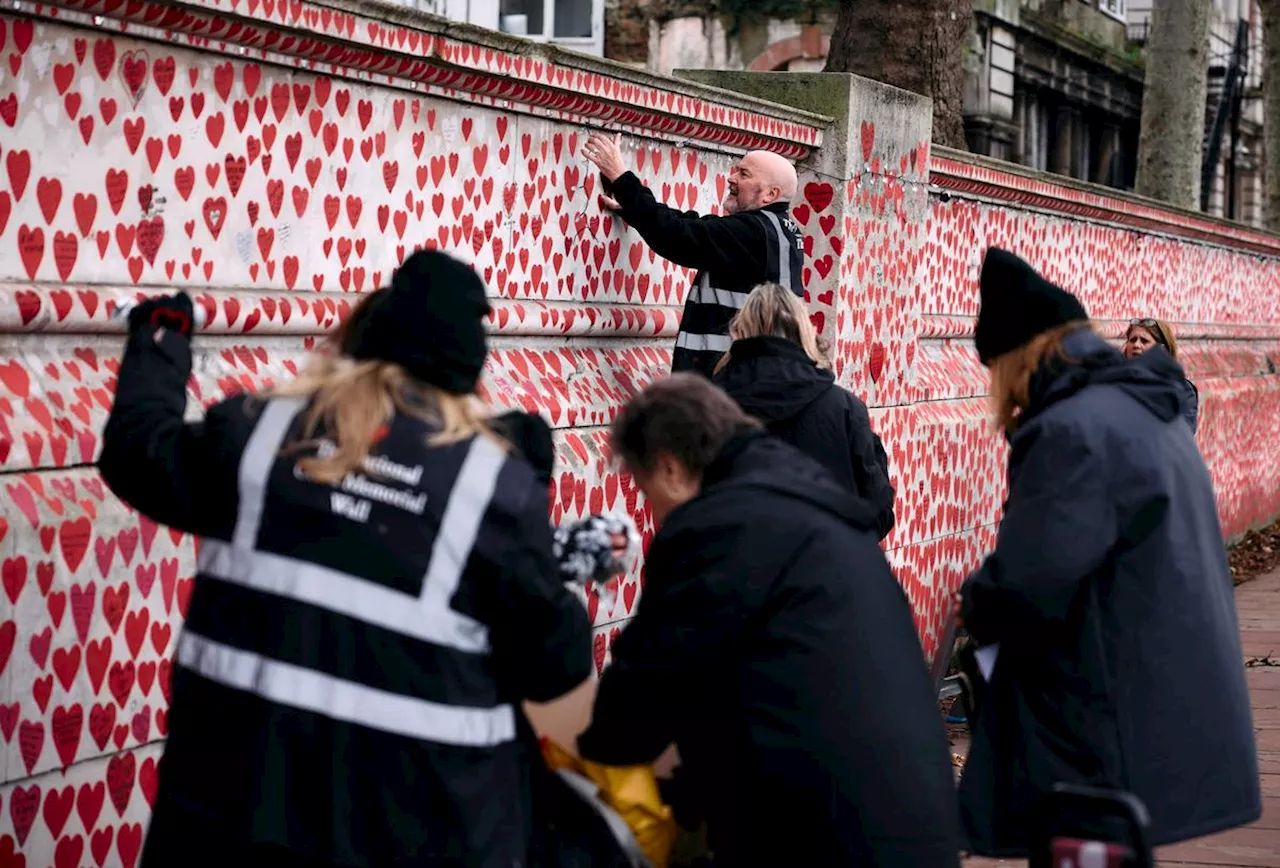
{"points": [[1234, 187], [576, 24], [1054, 85]]}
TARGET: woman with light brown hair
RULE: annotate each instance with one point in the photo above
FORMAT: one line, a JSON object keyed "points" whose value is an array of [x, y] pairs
{"points": [[376, 593], [1146, 333], [1107, 601], [778, 371]]}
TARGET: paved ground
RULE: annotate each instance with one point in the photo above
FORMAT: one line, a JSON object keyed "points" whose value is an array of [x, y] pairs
{"points": [[1259, 844]]}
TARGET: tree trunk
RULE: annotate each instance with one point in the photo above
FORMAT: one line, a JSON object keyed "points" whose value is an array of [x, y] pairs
{"points": [[1171, 145], [1271, 109], [916, 46]]}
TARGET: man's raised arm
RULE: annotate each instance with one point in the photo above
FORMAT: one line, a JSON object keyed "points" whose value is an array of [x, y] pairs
{"points": [[683, 237]]}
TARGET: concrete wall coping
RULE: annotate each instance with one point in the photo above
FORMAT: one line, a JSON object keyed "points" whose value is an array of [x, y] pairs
{"points": [[561, 56], [400, 47]]}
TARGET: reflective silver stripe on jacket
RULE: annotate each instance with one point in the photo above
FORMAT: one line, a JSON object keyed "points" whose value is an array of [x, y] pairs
{"points": [[703, 343], [336, 698], [784, 251], [427, 617], [705, 293]]}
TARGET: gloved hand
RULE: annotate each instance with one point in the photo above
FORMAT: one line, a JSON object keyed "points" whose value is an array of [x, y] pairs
{"points": [[173, 313]]}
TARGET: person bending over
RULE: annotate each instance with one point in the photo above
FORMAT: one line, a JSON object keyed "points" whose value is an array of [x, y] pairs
{"points": [[774, 648]]}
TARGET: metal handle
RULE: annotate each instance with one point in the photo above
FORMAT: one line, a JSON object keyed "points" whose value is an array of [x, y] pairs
{"points": [[1096, 802]]}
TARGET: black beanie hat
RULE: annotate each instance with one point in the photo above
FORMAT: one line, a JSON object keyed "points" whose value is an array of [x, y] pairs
{"points": [[430, 321], [1017, 305]]}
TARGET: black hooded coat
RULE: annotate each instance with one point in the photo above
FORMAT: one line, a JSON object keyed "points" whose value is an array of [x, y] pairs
{"points": [[774, 381], [773, 646], [1109, 594]]}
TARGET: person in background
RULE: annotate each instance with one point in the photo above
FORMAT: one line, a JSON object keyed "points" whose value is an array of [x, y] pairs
{"points": [[774, 648], [778, 371], [756, 240], [1108, 598], [376, 594], [1142, 335]]}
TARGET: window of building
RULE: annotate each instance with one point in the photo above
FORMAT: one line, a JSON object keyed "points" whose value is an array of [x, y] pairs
{"points": [[573, 19], [523, 17], [1082, 158], [1036, 130], [579, 23], [1115, 8]]}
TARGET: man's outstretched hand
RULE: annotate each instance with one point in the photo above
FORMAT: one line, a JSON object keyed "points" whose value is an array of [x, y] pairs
{"points": [[606, 153]]}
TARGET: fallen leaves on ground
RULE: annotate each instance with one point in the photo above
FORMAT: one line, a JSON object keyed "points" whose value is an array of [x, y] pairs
{"points": [[1256, 553]]}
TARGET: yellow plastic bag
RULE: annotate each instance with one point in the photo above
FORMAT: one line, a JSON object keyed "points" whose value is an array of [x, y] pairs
{"points": [[631, 791]]}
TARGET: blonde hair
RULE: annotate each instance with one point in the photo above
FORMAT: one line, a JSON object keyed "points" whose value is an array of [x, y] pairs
{"points": [[352, 399], [772, 310], [1011, 372]]}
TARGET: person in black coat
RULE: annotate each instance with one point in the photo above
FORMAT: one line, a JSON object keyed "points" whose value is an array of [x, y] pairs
{"points": [[774, 648], [376, 594], [777, 370], [754, 239], [1108, 600]]}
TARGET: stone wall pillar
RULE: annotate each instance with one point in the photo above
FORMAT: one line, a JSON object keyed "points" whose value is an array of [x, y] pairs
{"points": [[1060, 158], [863, 206]]}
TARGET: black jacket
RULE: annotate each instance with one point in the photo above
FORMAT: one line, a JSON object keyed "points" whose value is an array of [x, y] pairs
{"points": [[732, 254], [1110, 596], [1191, 404], [774, 381], [345, 688], [774, 647]]}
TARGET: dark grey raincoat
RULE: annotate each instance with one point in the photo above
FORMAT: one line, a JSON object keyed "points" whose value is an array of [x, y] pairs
{"points": [[1120, 662]]}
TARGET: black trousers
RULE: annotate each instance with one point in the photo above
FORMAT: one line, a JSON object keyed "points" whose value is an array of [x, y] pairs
{"points": [[567, 833], [178, 838]]}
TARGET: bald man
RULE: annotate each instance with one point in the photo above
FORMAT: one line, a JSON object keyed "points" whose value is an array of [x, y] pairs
{"points": [[755, 242]]}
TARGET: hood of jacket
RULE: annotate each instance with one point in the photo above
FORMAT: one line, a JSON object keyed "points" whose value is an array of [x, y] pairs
{"points": [[1154, 379], [754, 462], [772, 379]]}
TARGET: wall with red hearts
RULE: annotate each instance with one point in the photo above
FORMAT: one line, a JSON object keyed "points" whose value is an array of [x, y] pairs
{"points": [[1217, 283], [274, 158]]}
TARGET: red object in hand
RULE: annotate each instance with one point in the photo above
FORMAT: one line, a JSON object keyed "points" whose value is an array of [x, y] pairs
{"points": [[174, 320], [162, 312]]}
